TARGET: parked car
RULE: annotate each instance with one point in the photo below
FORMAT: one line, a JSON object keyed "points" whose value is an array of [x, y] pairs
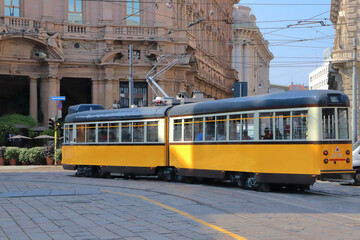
{"points": [[356, 161]]}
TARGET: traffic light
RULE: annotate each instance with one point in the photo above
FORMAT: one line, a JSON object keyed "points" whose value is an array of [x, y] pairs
{"points": [[58, 125], [51, 123]]}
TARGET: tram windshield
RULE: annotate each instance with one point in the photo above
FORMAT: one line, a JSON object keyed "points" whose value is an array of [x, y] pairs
{"points": [[331, 117]]}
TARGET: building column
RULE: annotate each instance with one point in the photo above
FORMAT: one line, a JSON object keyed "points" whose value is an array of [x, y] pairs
{"points": [[95, 91], [108, 93], [101, 93], [49, 88], [33, 98], [239, 62], [116, 89], [53, 91], [246, 64]]}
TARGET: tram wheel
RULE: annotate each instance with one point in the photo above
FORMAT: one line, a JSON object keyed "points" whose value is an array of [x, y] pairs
{"points": [[263, 187], [357, 178]]}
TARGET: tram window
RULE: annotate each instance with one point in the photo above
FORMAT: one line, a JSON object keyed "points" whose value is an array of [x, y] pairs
{"points": [[177, 130], [266, 126], [188, 129], [221, 128], [209, 128], [282, 125], [328, 123], [248, 126], [68, 133], [114, 132], [299, 125], [103, 132], [126, 132], [91, 133], [198, 129], [152, 132], [80, 133], [139, 131], [343, 123], [234, 127]]}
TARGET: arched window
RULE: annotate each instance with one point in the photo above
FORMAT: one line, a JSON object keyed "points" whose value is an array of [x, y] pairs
{"points": [[12, 8], [75, 11], [133, 12]]}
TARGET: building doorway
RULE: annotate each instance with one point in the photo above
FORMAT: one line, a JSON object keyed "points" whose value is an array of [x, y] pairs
{"points": [[76, 91], [14, 95]]}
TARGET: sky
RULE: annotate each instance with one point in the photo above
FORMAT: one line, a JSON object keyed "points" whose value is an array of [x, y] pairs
{"points": [[297, 47]]}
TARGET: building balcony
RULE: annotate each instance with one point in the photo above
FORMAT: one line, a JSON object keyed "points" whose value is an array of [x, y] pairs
{"points": [[14, 24], [83, 31], [342, 56]]}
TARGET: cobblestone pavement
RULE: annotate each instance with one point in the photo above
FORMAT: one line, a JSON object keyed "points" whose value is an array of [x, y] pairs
{"points": [[49, 203]]}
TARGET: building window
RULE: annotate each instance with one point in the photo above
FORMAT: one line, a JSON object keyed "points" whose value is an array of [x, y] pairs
{"points": [[140, 94], [12, 8], [75, 11], [133, 12]]}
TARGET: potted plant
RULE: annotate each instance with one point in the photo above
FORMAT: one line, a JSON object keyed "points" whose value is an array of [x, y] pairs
{"points": [[36, 155], [12, 155], [48, 152], [58, 156], [24, 156], [2, 155]]}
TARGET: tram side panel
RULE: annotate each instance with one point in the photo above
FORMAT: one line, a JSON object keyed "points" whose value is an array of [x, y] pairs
{"points": [[118, 155], [274, 159], [247, 158], [136, 158]]}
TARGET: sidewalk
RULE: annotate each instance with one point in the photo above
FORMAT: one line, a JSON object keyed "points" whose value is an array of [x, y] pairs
{"points": [[32, 168]]}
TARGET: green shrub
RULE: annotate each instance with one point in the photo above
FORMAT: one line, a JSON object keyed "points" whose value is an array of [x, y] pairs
{"points": [[12, 153], [36, 155], [5, 130], [24, 155], [48, 150], [49, 132], [2, 151], [13, 119], [58, 155], [7, 125]]}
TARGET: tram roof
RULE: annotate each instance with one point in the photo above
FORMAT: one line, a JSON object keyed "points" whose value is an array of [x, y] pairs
{"points": [[118, 114], [291, 99]]}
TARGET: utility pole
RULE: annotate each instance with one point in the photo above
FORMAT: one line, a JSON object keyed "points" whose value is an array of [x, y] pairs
{"points": [[131, 80], [355, 98], [55, 138]]}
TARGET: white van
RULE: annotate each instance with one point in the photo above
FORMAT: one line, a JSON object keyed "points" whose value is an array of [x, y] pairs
{"points": [[356, 161]]}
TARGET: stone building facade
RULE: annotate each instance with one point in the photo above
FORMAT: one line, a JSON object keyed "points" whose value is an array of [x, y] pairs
{"points": [[345, 17], [251, 54], [80, 49]]}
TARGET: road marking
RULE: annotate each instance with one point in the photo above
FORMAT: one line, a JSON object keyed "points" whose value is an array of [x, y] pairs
{"points": [[235, 236]]}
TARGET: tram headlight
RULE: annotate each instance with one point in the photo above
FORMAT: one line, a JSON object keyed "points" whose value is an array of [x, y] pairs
{"points": [[326, 152], [347, 152], [326, 161], [348, 160]]}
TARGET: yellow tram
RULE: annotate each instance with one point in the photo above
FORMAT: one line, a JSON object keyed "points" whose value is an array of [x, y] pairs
{"points": [[290, 139]]}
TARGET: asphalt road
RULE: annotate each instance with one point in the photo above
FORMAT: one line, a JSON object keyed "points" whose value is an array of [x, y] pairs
{"points": [[49, 203]]}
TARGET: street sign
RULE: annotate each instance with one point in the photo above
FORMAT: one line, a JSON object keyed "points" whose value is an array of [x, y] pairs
{"points": [[58, 98], [59, 113], [60, 105]]}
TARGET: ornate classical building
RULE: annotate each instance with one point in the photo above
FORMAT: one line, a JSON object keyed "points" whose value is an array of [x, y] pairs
{"points": [[80, 49], [251, 54], [345, 17]]}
